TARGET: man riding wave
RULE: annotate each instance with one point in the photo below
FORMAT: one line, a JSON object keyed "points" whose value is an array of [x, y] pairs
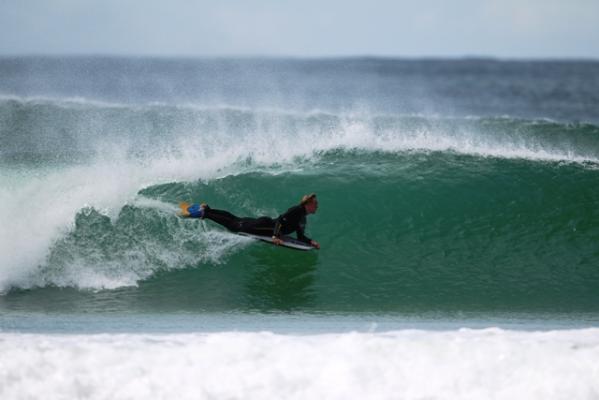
{"points": [[293, 220]]}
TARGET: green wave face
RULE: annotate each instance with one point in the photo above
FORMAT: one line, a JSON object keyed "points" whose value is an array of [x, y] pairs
{"points": [[399, 232]]}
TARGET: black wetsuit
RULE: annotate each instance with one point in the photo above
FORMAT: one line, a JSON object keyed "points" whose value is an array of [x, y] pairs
{"points": [[294, 220]]}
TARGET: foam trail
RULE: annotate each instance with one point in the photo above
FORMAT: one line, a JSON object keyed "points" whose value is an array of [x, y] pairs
{"points": [[462, 364], [156, 205], [141, 260]]}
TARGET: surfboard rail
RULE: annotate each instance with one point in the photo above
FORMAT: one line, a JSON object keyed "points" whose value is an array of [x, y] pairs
{"points": [[288, 241]]}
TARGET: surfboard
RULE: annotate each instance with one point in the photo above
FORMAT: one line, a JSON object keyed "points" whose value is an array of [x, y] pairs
{"points": [[287, 241]]}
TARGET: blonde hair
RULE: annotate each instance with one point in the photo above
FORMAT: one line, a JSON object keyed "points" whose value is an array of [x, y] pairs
{"points": [[307, 198]]}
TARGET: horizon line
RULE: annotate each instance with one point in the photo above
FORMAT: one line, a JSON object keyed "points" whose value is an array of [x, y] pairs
{"points": [[257, 56]]}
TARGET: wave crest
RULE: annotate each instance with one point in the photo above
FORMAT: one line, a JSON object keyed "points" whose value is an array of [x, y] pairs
{"points": [[71, 129]]}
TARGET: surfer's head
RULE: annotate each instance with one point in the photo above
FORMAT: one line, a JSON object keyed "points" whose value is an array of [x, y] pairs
{"points": [[310, 203]]}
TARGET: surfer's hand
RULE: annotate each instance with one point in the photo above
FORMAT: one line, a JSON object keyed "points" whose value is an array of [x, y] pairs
{"points": [[315, 244], [277, 241]]}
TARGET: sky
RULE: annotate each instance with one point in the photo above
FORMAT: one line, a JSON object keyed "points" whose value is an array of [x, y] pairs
{"points": [[306, 28]]}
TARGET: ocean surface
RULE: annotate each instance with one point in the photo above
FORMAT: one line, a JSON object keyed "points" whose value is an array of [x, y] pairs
{"points": [[458, 222]]}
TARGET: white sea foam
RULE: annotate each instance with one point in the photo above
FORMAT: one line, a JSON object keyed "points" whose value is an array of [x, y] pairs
{"points": [[38, 207], [410, 364]]}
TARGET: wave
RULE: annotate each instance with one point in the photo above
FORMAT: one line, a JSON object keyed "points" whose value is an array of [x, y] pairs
{"points": [[398, 232], [416, 211]]}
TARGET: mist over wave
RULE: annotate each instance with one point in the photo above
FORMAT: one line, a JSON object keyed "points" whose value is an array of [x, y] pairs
{"points": [[71, 130], [564, 91]]}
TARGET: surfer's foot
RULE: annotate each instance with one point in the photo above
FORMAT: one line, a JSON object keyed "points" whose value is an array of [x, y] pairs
{"points": [[197, 210]]}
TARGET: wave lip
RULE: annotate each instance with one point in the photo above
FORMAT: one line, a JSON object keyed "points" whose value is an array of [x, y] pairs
{"points": [[488, 363]]}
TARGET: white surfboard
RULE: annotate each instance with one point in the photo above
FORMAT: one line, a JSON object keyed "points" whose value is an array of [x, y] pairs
{"points": [[287, 241]]}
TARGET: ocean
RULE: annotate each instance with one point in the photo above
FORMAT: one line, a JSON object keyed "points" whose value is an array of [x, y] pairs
{"points": [[458, 225]]}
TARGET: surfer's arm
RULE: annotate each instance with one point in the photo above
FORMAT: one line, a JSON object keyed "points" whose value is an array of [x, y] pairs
{"points": [[276, 235], [290, 218], [303, 238], [277, 231], [289, 222]]}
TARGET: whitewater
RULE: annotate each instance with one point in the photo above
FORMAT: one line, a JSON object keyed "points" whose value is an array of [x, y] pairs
{"points": [[409, 364]]}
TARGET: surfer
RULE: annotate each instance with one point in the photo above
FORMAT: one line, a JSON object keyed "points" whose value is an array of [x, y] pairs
{"points": [[293, 220]]}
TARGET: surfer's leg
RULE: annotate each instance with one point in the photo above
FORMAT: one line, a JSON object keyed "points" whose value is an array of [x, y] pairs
{"points": [[263, 226], [224, 218]]}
